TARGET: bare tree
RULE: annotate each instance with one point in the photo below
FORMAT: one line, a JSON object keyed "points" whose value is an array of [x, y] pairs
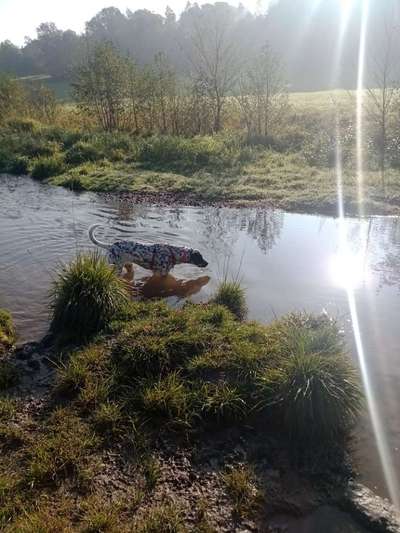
{"points": [[383, 97], [100, 86], [214, 59], [262, 93]]}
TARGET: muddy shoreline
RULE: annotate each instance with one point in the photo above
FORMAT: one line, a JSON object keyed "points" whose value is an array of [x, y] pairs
{"points": [[167, 199], [295, 498]]}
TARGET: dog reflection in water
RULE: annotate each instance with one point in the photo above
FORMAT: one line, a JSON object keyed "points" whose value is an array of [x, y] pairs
{"points": [[157, 286]]}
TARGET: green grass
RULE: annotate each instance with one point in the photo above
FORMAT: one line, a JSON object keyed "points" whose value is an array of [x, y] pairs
{"points": [[176, 377], [85, 297], [161, 518], [286, 181], [61, 451], [293, 169], [241, 488], [7, 331], [45, 167], [231, 295], [186, 370]]}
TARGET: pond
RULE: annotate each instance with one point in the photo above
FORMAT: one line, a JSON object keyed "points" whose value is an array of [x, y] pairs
{"points": [[285, 261]]}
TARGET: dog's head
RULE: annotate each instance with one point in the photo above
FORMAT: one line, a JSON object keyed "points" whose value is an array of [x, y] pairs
{"points": [[197, 259]]}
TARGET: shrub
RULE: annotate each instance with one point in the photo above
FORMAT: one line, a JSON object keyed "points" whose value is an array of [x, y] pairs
{"points": [[85, 297], [319, 395], [7, 331], [45, 167], [231, 295], [81, 152]]}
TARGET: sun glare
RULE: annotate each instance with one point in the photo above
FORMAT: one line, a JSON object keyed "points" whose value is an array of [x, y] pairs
{"points": [[348, 270], [345, 4]]}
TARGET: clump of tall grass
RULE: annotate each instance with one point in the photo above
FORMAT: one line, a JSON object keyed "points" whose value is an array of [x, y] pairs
{"points": [[85, 297], [45, 167], [240, 485], [7, 331], [320, 396], [231, 295], [186, 370], [81, 152], [19, 165]]}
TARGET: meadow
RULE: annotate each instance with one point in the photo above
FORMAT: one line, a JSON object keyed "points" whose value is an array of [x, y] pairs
{"points": [[292, 169]]}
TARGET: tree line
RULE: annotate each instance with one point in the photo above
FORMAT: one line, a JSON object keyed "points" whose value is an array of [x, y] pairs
{"points": [[221, 91], [304, 33]]}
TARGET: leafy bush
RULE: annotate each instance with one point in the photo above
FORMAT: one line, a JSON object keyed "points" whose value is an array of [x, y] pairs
{"points": [[85, 297], [232, 296], [45, 167]]}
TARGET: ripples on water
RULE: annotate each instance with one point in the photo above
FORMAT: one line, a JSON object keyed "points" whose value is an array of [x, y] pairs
{"points": [[284, 261]]}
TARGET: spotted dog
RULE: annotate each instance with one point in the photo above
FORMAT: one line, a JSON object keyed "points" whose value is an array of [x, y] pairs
{"points": [[160, 258]]}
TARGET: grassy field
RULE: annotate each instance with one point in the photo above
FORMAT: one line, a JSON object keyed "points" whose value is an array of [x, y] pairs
{"points": [[282, 181], [292, 169]]}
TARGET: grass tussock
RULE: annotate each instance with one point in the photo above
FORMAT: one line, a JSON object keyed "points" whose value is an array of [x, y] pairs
{"points": [[241, 488], [232, 296], [45, 167], [85, 297], [164, 517], [190, 369], [7, 331]]}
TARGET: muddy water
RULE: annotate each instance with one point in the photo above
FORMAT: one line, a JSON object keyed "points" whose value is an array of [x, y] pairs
{"points": [[285, 261]]}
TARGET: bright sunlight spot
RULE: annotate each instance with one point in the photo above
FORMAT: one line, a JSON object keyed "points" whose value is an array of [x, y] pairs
{"points": [[346, 4], [348, 270]]}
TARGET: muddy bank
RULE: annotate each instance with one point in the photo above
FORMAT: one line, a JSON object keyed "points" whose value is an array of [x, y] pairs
{"points": [[287, 498], [327, 207]]}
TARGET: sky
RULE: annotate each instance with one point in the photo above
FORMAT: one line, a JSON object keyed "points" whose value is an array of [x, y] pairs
{"points": [[20, 18]]}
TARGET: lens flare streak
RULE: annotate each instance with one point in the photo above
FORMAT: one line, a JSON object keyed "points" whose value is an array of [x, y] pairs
{"points": [[346, 254]]}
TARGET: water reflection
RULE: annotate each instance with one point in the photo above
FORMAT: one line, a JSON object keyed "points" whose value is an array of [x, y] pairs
{"points": [[223, 226], [156, 286]]}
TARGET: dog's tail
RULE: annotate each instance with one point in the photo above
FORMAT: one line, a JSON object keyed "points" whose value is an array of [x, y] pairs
{"points": [[93, 238]]}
